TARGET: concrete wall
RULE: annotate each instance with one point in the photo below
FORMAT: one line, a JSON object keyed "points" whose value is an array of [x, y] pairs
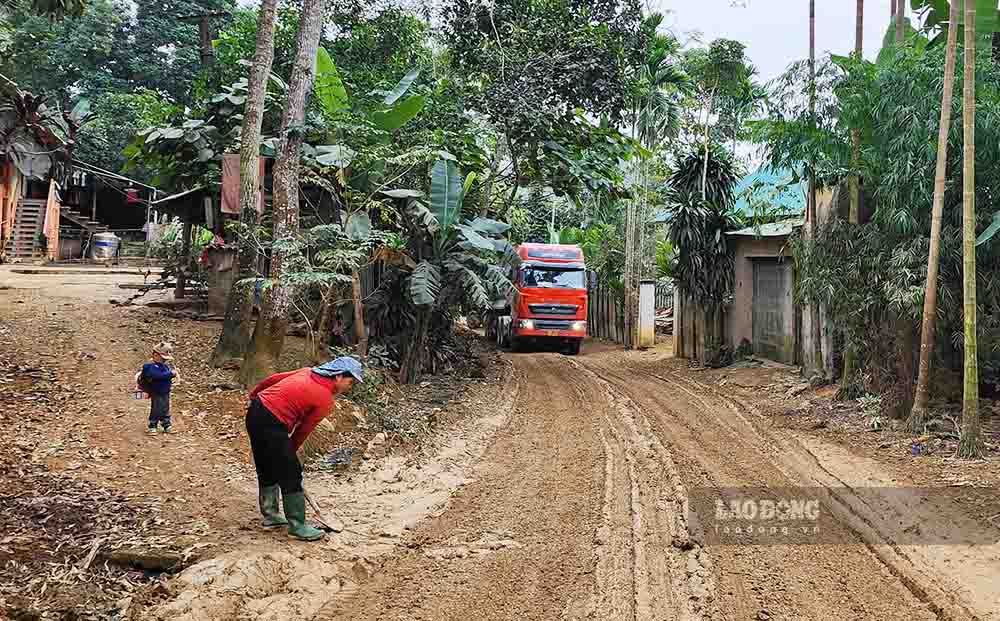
{"points": [[740, 315], [825, 209]]}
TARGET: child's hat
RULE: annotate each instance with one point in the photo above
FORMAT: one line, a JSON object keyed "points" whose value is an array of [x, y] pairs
{"points": [[164, 349]]}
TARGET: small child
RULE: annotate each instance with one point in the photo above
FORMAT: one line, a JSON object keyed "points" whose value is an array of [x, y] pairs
{"points": [[156, 378]]}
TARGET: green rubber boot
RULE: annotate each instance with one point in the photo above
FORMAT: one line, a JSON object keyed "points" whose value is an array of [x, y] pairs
{"points": [[295, 511], [270, 507]]}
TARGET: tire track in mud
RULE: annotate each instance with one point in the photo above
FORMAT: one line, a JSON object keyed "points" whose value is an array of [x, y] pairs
{"points": [[579, 465], [867, 516], [716, 445], [671, 576], [540, 485]]}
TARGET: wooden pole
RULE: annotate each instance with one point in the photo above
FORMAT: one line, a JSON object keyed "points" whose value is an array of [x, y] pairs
{"points": [[179, 290]]}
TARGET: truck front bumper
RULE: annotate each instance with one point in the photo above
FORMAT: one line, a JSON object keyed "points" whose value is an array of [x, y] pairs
{"points": [[539, 328]]}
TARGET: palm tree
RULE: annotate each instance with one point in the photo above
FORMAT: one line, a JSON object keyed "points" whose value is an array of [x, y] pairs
{"points": [[236, 329], [918, 415], [814, 319], [655, 116], [900, 20], [269, 333], [853, 217], [970, 443], [855, 186]]}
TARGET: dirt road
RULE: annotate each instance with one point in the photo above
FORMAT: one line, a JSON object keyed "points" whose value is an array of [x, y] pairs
{"points": [[577, 511], [567, 492]]}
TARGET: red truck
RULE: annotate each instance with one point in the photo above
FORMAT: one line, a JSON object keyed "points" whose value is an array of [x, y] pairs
{"points": [[549, 300]]}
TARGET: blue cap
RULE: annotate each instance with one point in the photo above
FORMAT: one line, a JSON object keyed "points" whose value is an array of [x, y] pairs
{"points": [[340, 366]]}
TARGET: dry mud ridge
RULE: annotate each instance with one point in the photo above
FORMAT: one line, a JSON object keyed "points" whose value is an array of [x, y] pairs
{"points": [[569, 498]]}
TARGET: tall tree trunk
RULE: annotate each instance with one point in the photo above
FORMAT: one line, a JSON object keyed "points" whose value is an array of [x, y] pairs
{"points": [[704, 167], [853, 181], [918, 415], [236, 329], [970, 443], [900, 21], [412, 364], [815, 324], [847, 390], [321, 337], [269, 334], [484, 209], [359, 313], [180, 290]]}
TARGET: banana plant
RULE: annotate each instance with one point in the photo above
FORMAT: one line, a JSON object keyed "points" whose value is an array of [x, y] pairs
{"points": [[457, 261], [393, 112], [358, 172]]}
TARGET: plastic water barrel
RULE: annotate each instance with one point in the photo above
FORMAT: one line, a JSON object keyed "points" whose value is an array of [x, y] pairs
{"points": [[104, 246]]}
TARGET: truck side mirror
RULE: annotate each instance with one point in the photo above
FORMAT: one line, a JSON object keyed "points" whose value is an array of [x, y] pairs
{"points": [[592, 279]]}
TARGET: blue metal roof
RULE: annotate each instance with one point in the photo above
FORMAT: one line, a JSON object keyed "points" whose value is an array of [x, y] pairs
{"points": [[775, 187]]}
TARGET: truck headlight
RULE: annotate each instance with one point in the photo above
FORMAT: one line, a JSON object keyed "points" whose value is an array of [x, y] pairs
{"points": [[578, 326], [527, 324]]}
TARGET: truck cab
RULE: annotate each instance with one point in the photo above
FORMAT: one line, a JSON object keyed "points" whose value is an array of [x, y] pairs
{"points": [[549, 299]]}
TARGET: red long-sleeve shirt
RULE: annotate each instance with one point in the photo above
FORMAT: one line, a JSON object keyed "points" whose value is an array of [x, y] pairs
{"points": [[299, 399]]}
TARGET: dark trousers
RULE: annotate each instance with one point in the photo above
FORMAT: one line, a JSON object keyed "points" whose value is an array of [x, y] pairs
{"points": [[159, 410], [273, 455]]}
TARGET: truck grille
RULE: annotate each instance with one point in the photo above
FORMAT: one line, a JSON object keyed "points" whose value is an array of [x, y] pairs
{"points": [[551, 324], [552, 309]]}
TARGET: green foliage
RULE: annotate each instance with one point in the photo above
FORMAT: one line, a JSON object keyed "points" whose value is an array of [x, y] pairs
{"points": [[538, 70], [446, 193], [721, 181], [704, 264], [169, 248], [36, 137], [873, 275], [721, 70], [55, 9], [116, 119], [659, 89], [161, 52], [603, 245], [328, 86], [460, 263], [666, 259], [236, 42], [187, 149], [791, 136], [51, 58]]}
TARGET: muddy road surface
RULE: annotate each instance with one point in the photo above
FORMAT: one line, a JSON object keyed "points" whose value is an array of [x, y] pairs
{"points": [[579, 510]]}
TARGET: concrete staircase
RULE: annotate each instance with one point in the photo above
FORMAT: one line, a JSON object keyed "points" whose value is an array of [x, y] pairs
{"points": [[84, 221], [28, 221]]}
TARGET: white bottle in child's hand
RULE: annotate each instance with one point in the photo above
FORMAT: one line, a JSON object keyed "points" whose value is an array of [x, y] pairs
{"points": [[140, 394]]}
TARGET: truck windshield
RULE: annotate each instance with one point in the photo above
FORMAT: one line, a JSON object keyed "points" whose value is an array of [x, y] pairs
{"points": [[535, 276]]}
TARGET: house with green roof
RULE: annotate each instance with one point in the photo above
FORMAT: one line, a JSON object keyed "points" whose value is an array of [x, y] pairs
{"points": [[762, 317]]}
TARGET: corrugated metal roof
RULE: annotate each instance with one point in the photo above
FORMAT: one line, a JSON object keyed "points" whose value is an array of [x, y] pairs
{"points": [[775, 187], [783, 228]]}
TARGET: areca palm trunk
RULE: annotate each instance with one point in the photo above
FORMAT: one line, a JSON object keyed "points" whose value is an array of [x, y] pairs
{"points": [[815, 327], [970, 443], [238, 324], [853, 216], [853, 181], [900, 21], [918, 415], [269, 333]]}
